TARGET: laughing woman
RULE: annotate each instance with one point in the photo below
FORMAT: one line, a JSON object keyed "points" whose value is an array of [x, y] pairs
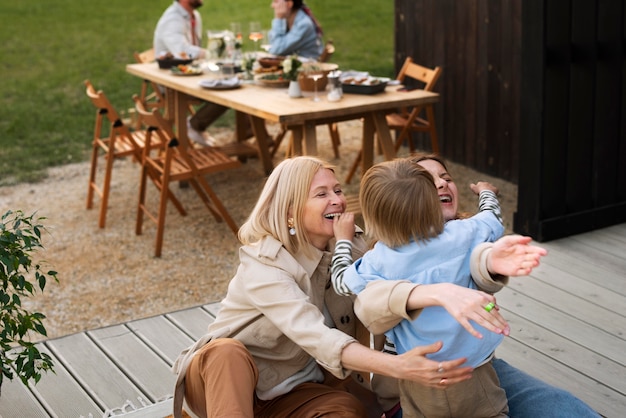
{"points": [[284, 342]]}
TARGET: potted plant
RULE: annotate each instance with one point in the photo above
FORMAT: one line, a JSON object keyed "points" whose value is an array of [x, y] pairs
{"points": [[20, 237], [291, 69]]}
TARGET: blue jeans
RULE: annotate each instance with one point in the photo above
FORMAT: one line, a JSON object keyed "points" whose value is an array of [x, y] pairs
{"points": [[530, 397]]}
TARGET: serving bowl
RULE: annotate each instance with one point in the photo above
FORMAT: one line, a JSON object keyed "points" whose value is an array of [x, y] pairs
{"points": [[310, 68]]}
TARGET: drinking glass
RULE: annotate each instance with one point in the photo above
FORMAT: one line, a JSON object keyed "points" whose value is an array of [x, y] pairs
{"points": [[255, 34], [315, 77], [235, 28], [265, 42]]}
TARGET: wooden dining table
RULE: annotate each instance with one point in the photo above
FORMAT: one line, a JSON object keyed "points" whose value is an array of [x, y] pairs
{"points": [[300, 115]]}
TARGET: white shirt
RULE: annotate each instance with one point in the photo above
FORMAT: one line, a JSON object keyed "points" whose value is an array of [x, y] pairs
{"points": [[173, 33]]}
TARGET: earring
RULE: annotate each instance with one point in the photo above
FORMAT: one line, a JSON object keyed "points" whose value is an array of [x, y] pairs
{"points": [[292, 229]]}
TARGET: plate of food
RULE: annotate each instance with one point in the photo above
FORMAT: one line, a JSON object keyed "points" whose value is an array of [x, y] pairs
{"points": [[364, 85], [221, 84], [272, 80], [185, 69], [271, 61]]}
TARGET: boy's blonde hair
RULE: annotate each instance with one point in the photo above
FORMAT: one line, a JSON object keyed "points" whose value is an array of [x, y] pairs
{"points": [[284, 195], [400, 203]]}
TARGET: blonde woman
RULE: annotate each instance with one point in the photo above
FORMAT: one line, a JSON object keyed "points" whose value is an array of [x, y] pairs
{"points": [[284, 343]]}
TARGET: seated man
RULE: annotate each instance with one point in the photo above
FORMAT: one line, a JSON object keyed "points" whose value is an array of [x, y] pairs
{"points": [[179, 32]]}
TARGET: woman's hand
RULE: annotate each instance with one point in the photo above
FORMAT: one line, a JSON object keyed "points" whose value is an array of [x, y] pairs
{"points": [[463, 304], [412, 365], [415, 366], [512, 255], [343, 226], [483, 185], [282, 8]]}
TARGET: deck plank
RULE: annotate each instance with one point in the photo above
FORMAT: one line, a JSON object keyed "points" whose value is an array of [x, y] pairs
{"points": [[567, 322], [136, 360], [605, 402], [193, 321], [600, 315], [568, 353], [94, 370], [162, 336], [564, 325]]}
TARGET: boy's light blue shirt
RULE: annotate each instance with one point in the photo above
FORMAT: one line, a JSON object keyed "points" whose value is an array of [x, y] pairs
{"points": [[444, 259]]}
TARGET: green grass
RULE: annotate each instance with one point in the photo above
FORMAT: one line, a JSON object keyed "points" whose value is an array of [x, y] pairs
{"points": [[49, 47]]}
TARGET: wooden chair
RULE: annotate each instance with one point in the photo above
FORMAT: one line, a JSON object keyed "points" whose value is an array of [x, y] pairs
{"points": [[151, 94], [329, 50], [113, 138], [176, 161], [333, 131], [407, 121]]}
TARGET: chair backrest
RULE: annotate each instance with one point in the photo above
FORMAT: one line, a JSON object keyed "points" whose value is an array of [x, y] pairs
{"points": [[145, 56], [105, 108], [329, 50], [423, 74]]}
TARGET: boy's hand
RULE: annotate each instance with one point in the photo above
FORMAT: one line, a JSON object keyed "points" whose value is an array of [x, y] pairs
{"points": [[483, 185], [513, 255], [343, 226]]}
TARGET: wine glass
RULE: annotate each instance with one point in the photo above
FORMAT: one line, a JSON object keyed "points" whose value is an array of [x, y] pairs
{"points": [[265, 43], [255, 34], [315, 77]]}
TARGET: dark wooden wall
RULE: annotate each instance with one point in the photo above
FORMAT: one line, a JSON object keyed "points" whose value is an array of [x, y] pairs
{"points": [[574, 111], [533, 92], [477, 43]]}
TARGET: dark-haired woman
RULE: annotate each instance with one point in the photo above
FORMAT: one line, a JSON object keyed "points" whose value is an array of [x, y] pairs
{"points": [[295, 30]]}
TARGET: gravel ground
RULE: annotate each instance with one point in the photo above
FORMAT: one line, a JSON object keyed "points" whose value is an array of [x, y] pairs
{"points": [[109, 276]]}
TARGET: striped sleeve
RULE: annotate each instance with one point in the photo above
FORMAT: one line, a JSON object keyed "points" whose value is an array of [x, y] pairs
{"points": [[342, 259], [487, 200]]}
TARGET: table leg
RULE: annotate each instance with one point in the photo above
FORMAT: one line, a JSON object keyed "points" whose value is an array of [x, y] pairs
{"points": [[367, 145], [296, 140], [240, 126], [262, 140], [384, 135], [310, 138], [180, 116]]}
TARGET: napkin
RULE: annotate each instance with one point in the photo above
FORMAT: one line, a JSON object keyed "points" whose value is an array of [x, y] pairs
{"points": [[222, 82]]}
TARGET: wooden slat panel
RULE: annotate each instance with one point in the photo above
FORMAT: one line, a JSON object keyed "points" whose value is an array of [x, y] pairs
{"points": [[17, 401], [94, 370], [213, 308], [136, 360], [193, 322], [602, 316], [592, 255], [573, 263], [567, 352], [162, 336], [607, 403], [575, 286], [62, 393], [562, 324]]}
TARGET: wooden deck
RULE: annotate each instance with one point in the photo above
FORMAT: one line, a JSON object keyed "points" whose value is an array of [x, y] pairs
{"points": [[568, 328]]}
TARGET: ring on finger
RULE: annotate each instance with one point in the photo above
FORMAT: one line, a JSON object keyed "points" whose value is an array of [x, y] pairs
{"points": [[440, 368], [488, 307]]}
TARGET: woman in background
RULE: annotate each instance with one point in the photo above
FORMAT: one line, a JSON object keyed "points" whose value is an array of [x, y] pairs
{"points": [[295, 30]]}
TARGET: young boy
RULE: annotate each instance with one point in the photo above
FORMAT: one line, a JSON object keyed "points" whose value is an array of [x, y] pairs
{"points": [[402, 212]]}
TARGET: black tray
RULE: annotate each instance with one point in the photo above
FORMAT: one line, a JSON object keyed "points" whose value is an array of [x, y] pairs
{"points": [[167, 63], [363, 88]]}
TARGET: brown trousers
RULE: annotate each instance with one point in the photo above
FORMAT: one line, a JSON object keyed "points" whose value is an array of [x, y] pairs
{"points": [[481, 396], [221, 381]]}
